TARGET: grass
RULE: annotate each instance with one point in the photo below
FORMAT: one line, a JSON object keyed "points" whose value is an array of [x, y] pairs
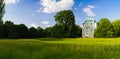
{"points": [[60, 48]]}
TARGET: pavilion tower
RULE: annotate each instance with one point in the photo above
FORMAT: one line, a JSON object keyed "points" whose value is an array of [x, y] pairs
{"points": [[88, 28]]}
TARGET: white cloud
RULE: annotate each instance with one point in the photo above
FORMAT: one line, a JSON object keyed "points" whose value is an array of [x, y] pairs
{"points": [[46, 23], [34, 25], [11, 1], [90, 6], [50, 6], [88, 10]]}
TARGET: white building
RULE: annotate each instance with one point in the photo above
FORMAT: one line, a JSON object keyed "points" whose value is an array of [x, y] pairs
{"points": [[88, 28]]}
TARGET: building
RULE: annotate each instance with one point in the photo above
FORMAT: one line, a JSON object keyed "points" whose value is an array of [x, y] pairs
{"points": [[88, 28]]}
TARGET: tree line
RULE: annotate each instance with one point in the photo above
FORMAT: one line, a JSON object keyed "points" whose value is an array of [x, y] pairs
{"points": [[107, 29], [13, 31]]}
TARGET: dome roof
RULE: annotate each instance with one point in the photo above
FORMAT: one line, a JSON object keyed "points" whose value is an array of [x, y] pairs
{"points": [[89, 22]]}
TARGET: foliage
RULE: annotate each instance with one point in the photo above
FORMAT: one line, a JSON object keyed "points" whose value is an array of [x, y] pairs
{"points": [[65, 25], [79, 31], [21, 30], [2, 11], [41, 32], [116, 25], [104, 29], [33, 33], [9, 30], [1, 31], [48, 32], [66, 31], [65, 17]]}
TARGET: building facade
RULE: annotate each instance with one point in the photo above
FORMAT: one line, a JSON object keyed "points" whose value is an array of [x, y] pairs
{"points": [[88, 28]]}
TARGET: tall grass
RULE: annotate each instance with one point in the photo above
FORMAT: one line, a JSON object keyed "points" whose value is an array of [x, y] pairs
{"points": [[56, 48]]}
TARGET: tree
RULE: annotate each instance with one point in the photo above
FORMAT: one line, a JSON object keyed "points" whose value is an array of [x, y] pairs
{"points": [[56, 31], [65, 17], [40, 32], [1, 31], [9, 30], [65, 25], [79, 31], [32, 32], [116, 25], [47, 32], [2, 11], [22, 31], [104, 29]]}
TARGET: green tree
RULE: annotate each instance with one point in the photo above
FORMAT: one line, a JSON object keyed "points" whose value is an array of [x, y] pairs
{"points": [[65, 17], [116, 25], [56, 31], [32, 32], [40, 32], [21, 30], [2, 11], [79, 31], [9, 30], [65, 25], [104, 29]]}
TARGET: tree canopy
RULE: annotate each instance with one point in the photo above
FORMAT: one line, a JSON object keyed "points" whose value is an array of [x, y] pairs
{"points": [[65, 17], [65, 25], [2, 10], [104, 29], [116, 25]]}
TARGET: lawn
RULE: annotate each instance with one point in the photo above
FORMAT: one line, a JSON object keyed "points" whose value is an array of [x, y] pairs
{"points": [[64, 48]]}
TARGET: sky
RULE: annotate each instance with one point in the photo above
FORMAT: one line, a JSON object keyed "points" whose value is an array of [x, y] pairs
{"points": [[34, 13]]}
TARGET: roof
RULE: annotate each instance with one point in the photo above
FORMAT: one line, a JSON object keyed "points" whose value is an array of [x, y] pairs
{"points": [[89, 22]]}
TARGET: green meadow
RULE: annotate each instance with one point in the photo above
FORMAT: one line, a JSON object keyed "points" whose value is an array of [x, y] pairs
{"points": [[64, 48]]}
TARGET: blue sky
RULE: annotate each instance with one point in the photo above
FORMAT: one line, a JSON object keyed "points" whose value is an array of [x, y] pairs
{"points": [[41, 12]]}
